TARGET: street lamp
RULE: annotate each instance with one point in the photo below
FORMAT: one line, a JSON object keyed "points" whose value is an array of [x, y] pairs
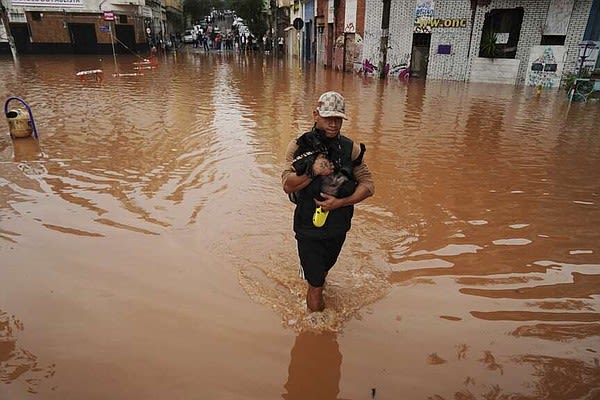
{"points": [[588, 44]]}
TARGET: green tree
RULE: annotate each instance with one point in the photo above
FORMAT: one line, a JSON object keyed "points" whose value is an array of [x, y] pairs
{"points": [[488, 48], [254, 13], [197, 9]]}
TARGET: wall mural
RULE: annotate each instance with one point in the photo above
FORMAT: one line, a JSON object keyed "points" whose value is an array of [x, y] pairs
{"points": [[545, 66]]}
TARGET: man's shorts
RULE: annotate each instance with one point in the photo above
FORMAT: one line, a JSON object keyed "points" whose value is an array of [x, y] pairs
{"points": [[318, 256]]}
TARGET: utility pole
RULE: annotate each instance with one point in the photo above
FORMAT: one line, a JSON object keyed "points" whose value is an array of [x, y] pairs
{"points": [[6, 23], [111, 25], [385, 32]]}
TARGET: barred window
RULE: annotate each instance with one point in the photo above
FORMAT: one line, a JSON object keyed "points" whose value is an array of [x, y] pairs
{"points": [[501, 30]]}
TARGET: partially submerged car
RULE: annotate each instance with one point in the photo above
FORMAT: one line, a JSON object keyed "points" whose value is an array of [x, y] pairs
{"points": [[189, 36]]}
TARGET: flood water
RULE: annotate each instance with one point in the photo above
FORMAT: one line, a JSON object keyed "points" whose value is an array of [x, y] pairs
{"points": [[146, 247]]}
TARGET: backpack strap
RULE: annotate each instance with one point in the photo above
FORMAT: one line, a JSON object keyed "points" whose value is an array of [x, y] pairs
{"points": [[359, 159]]}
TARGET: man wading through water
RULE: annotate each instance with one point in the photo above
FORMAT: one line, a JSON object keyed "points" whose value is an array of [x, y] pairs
{"points": [[325, 177]]}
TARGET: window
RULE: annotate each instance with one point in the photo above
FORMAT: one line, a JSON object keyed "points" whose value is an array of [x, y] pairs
{"points": [[592, 30], [500, 35], [122, 19], [553, 40]]}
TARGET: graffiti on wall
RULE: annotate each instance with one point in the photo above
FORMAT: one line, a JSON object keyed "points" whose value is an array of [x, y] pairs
{"points": [[368, 65], [423, 16], [350, 16], [357, 53], [348, 48]]}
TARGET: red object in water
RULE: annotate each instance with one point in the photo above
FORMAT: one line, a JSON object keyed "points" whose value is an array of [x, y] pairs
{"points": [[96, 74]]}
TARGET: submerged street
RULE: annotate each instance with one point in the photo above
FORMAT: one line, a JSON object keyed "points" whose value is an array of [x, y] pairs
{"points": [[147, 250]]}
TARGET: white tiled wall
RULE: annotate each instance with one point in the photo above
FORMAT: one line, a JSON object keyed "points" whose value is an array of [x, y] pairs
{"points": [[459, 64]]}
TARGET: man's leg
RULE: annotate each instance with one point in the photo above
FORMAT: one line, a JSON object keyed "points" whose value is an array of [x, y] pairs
{"points": [[314, 298], [317, 256]]}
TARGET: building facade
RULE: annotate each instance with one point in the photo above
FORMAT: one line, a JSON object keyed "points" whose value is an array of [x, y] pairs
{"points": [[90, 26], [504, 41], [525, 42]]}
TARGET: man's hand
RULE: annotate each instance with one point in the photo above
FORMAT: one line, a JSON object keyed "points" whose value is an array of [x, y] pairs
{"points": [[330, 202], [322, 166]]}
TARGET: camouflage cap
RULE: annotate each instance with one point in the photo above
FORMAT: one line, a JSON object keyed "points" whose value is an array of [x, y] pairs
{"points": [[331, 104]]}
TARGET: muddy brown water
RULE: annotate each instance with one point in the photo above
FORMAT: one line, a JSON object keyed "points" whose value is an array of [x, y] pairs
{"points": [[146, 247]]}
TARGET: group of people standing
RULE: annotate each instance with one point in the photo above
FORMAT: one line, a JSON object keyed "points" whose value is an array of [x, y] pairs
{"points": [[217, 41], [214, 40]]}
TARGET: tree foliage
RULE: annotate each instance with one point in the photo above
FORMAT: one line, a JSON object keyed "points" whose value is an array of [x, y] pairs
{"points": [[197, 9], [254, 13]]}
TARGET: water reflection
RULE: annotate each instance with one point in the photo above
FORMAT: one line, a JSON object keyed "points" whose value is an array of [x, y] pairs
{"points": [[555, 379], [314, 371], [26, 149], [17, 365]]}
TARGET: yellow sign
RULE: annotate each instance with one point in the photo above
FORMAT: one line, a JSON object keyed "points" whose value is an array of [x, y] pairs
{"points": [[444, 22]]}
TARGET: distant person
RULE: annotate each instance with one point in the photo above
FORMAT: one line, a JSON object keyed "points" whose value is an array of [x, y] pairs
{"points": [[242, 42], [250, 43], [218, 39], [325, 176], [280, 43]]}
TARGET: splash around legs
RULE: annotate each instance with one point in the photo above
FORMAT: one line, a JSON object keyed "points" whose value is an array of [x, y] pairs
{"points": [[314, 298]]}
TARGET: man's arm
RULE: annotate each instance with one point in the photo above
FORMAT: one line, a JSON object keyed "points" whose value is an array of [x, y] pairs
{"points": [[294, 183], [331, 203], [291, 181]]}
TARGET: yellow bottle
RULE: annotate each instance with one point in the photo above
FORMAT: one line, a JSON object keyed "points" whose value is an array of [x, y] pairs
{"points": [[319, 217]]}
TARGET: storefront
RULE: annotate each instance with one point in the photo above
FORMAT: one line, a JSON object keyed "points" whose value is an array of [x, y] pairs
{"points": [[480, 41], [68, 26]]}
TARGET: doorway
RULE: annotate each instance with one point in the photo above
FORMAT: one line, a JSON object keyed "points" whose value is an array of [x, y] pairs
{"points": [[126, 37], [420, 54], [83, 38], [20, 33]]}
